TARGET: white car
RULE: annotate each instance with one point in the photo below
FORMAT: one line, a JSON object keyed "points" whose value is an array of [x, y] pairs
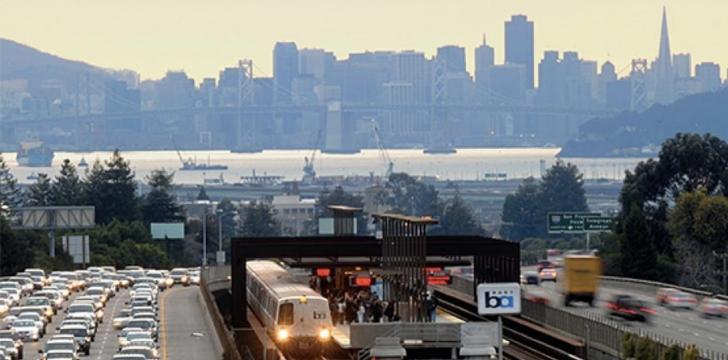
{"points": [[120, 321], [681, 300], [26, 329], [60, 355]]}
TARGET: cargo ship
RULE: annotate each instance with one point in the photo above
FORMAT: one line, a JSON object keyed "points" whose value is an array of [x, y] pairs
{"points": [[34, 154]]}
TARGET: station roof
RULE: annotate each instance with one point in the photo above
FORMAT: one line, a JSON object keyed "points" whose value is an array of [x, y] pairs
{"points": [[366, 262]]}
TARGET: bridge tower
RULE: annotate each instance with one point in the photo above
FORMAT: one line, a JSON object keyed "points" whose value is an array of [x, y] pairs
{"points": [[638, 100], [246, 98]]}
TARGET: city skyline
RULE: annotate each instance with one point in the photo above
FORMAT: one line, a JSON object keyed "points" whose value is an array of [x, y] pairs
{"points": [[127, 41]]}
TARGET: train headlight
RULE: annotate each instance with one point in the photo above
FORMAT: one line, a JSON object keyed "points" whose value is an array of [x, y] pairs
{"points": [[324, 334], [282, 335]]}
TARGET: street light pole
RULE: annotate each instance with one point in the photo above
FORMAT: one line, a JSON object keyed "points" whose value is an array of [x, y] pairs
{"points": [[219, 230], [204, 239]]}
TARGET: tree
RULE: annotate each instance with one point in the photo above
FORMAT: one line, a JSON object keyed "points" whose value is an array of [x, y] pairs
{"points": [[639, 257], [412, 197], [9, 193], [339, 197], [560, 189], [645, 349], [259, 220], [39, 193], [521, 210], [458, 219], [112, 190], [67, 189], [159, 205], [697, 225], [202, 194]]}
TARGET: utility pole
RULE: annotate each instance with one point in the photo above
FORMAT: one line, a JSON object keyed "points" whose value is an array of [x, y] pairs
{"points": [[204, 239]]}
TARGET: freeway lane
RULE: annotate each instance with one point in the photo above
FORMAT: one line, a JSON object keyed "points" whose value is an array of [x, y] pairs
{"points": [[684, 326], [186, 330]]}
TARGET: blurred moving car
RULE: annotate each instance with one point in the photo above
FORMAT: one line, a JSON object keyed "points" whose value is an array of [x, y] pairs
{"points": [[677, 299], [547, 274], [544, 264], [711, 306], [629, 308], [180, 276], [530, 278], [537, 296]]}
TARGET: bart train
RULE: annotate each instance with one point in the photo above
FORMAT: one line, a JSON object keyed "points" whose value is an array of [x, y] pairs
{"points": [[298, 318]]}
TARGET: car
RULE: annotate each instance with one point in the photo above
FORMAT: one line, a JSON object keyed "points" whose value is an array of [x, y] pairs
{"points": [[195, 277], [547, 274], [530, 278], [42, 301], [180, 276], [88, 323], [663, 294], [124, 335], [26, 329], [98, 291], [44, 311], [60, 355], [59, 345], [711, 306], [629, 308], [162, 281], [4, 295], [145, 315], [39, 321], [681, 300], [16, 292], [150, 354], [12, 348], [55, 297], [83, 310], [144, 324], [4, 307], [544, 264], [81, 334], [120, 321], [129, 357]]}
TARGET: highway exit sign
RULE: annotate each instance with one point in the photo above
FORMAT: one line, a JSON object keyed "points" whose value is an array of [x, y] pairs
{"points": [[577, 222]]}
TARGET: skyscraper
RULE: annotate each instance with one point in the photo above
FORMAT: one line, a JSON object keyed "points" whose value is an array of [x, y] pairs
{"points": [[484, 60], [285, 69], [664, 74], [519, 45], [682, 65], [453, 57], [708, 75]]}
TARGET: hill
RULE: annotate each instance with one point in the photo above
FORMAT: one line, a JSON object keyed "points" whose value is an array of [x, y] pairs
{"points": [[629, 132], [18, 61]]}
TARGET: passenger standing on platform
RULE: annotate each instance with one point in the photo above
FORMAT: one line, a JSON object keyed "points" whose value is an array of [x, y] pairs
{"points": [[361, 313], [431, 306], [341, 310], [377, 310]]}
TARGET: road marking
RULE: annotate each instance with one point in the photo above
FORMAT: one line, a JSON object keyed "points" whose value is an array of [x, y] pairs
{"points": [[163, 324]]}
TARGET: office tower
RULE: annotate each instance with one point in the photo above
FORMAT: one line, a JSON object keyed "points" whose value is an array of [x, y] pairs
{"points": [[264, 88], [508, 83], [174, 91], [519, 45], [453, 57], [550, 79], [682, 63], [285, 69], [663, 70], [206, 95], [411, 67], [484, 60], [607, 75], [708, 75], [316, 62], [118, 98]]}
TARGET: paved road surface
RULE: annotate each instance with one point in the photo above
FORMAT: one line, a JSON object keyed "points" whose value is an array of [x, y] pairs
{"points": [[683, 325], [187, 332], [181, 315]]}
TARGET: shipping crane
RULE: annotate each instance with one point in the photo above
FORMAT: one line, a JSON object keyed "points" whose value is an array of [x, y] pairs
{"points": [[309, 172], [383, 154]]}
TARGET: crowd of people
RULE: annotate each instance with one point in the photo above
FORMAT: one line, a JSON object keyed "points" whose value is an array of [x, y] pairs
{"points": [[364, 306]]}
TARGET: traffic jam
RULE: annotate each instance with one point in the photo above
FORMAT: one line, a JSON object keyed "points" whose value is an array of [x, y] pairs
{"points": [[66, 315]]}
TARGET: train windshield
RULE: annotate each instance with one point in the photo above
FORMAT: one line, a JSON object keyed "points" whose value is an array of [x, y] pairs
{"points": [[285, 314]]}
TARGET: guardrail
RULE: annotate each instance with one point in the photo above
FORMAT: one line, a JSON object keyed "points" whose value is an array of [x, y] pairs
{"points": [[207, 277], [654, 285]]}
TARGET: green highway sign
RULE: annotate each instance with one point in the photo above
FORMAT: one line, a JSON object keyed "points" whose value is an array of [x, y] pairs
{"points": [[577, 222], [596, 224]]}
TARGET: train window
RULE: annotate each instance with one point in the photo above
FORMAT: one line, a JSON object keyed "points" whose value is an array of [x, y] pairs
{"points": [[285, 314]]}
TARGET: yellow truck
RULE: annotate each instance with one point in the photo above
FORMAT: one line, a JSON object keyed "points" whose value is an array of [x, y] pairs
{"points": [[581, 278]]}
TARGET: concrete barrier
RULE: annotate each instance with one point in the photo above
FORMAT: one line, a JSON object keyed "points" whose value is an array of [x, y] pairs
{"points": [[211, 276]]}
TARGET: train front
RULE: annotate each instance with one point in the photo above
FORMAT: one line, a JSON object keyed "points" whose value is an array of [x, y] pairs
{"points": [[304, 324]]}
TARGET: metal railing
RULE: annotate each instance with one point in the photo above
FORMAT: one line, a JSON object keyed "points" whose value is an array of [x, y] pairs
{"points": [[600, 332]]}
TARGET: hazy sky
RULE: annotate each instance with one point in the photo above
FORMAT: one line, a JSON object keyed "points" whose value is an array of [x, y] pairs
{"points": [[201, 37]]}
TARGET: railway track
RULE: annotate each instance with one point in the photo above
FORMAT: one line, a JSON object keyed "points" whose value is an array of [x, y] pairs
{"points": [[523, 344]]}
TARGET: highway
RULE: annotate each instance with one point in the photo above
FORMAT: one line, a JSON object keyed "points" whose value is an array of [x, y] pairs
{"points": [[185, 330], [683, 325]]}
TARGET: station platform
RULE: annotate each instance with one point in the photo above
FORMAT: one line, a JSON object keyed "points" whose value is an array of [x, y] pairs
{"points": [[341, 332]]}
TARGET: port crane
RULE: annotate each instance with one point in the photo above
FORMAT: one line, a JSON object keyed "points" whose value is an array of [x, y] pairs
{"points": [[383, 153], [309, 172]]}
